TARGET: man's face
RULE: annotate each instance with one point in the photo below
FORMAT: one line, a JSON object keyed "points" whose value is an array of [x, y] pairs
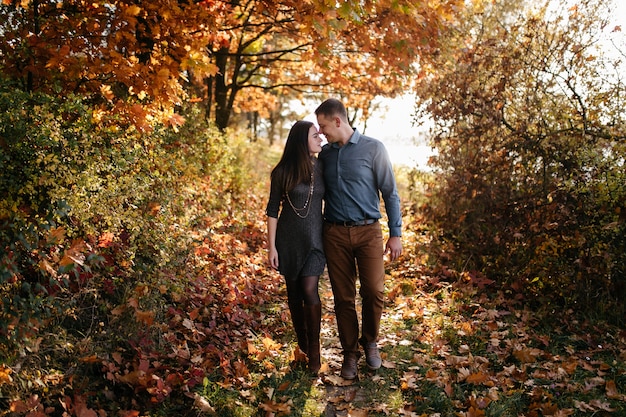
{"points": [[329, 127]]}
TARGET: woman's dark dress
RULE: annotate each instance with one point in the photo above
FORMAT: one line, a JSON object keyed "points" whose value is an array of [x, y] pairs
{"points": [[298, 240]]}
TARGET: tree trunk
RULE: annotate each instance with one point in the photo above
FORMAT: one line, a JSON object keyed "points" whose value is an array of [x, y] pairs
{"points": [[222, 110]]}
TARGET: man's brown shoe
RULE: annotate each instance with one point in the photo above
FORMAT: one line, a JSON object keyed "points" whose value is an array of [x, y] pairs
{"points": [[372, 356], [349, 367]]}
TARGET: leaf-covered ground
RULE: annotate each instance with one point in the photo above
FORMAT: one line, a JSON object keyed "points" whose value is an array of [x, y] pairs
{"points": [[218, 341], [453, 345]]}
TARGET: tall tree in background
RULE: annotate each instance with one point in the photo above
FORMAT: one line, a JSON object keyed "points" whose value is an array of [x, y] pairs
{"points": [[141, 58], [528, 104], [296, 49]]}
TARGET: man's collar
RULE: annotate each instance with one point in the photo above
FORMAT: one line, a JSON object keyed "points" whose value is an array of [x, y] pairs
{"points": [[355, 137]]}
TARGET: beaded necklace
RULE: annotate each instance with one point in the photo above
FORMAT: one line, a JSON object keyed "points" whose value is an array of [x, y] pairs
{"points": [[307, 203]]}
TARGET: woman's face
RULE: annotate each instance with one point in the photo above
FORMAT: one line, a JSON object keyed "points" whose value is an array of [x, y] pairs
{"points": [[315, 141]]}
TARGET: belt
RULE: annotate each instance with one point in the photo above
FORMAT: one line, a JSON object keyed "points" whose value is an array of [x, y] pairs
{"points": [[350, 223]]}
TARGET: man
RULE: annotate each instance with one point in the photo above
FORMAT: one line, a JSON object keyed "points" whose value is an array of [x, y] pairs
{"points": [[357, 171]]}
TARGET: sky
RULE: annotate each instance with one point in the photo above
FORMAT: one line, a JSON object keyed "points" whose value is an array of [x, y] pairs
{"points": [[395, 129], [392, 125]]}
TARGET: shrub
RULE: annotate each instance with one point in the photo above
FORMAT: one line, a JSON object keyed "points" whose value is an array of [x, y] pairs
{"points": [[90, 207]]}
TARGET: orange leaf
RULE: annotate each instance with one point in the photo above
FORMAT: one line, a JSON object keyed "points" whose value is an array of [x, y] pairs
{"points": [[526, 355], [5, 375], [106, 239], [432, 374], [56, 235], [132, 10], [252, 350], [613, 393], [175, 121], [270, 344], [18, 406], [44, 265], [145, 317], [477, 378], [241, 370]]}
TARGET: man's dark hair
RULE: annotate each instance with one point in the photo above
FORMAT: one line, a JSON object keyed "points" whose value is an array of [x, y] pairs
{"points": [[332, 107]]}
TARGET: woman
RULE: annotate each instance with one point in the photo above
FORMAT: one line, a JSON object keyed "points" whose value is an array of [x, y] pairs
{"points": [[295, 237]]}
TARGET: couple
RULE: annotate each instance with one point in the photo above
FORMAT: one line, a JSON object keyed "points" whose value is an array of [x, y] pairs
{"points": [[349, 173]]}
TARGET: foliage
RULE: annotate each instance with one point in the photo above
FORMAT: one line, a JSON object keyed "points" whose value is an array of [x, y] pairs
{"points": [[128, 58], [90, 209], [529, 133], [141, 59], [132, 265], [206, 331], [294, 49]]}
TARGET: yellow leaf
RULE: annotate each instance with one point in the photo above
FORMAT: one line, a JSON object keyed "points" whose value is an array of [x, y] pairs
{"points": [[133, 10], [270, 344], [5, 375]]}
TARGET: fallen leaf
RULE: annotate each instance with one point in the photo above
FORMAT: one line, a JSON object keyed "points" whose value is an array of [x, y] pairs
{"points": [[337, 381], [388, 364], [202, 404], [477, 378], [349, 395], [613, 393]]}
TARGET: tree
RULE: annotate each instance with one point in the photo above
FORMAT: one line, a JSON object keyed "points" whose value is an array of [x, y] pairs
{"points": [[142, 58], [295, 49], [529, 119], [128, 56]]}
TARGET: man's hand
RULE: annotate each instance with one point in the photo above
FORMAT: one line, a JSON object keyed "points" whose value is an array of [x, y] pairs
{"points": [[394, 247]]}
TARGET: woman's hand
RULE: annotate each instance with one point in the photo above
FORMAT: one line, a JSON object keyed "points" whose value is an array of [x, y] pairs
{"points": [[272, 257]]}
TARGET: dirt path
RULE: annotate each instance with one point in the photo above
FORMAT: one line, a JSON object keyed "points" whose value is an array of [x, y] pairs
{"points": [[342, 397]]}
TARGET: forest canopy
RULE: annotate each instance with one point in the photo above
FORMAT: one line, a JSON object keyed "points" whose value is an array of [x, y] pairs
{"points": [[143, 59]]}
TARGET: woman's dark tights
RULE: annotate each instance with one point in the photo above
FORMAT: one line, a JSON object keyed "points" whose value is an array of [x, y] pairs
{"points": [[311, 309], [305, 307], [304, 290], [309, 290]]}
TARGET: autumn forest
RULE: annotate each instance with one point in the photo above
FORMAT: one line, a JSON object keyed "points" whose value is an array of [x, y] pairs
{"points": [[136, 142]]}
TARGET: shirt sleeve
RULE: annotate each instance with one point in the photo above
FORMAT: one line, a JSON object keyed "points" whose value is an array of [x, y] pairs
{"points": [[387, 186], [273, 205]]}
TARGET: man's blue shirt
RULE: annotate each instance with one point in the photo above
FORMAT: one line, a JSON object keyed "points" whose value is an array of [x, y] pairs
{"points": [[356, 175]]}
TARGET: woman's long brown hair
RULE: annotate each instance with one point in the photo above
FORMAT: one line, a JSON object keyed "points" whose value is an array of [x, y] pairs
{"points": [[295, 165]]}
